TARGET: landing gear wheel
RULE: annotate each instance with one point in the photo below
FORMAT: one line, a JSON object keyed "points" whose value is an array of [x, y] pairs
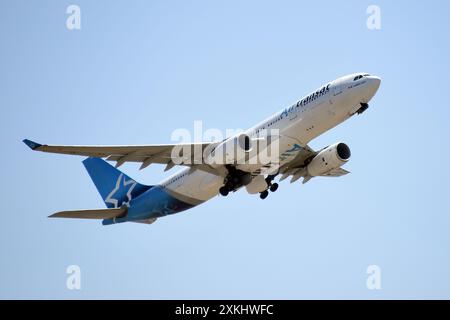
{"points": [[273, 187], [224, 191], [264, 194]]}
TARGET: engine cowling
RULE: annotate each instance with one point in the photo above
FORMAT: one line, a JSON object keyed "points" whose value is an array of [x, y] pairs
{"points": [[231, 151], [328, 159]]}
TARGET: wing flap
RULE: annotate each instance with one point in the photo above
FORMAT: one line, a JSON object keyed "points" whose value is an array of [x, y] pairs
{"points": [[338, 172], [92, 214]]}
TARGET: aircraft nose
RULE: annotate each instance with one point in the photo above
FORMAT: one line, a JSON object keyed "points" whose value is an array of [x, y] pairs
{"points": [[372, 87], [374, 82]]}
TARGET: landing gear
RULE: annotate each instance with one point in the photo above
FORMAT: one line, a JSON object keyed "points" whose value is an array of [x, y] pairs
{"points": [[234, 180], [224, 191], [273, 187], [270, 186], [364, 107]]}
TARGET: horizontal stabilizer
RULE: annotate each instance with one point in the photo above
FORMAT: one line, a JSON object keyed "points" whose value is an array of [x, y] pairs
{"points": [[92, 214]]}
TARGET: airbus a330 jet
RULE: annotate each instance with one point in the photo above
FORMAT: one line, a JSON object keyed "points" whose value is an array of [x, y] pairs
{"points": [[221, 167]]}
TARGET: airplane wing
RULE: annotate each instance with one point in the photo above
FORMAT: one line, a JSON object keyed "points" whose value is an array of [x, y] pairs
{"points": [[297, 166], [162, 154], [145, 154]]}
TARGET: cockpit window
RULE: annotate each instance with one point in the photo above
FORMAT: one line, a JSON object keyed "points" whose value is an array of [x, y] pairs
{"points": [[361, 76]]}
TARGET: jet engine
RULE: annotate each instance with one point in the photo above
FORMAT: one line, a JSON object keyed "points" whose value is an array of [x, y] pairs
{"points": [[231, 151], [330, 158]]}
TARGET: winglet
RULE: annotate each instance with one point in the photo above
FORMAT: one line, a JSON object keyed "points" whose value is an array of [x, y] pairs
{"points": [[31, 144]]}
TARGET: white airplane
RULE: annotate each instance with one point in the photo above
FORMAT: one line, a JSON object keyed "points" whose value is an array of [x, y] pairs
{"points": [[206, 176]]}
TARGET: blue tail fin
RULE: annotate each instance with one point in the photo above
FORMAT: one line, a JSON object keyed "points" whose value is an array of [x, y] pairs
{"points": [[116, 188]]}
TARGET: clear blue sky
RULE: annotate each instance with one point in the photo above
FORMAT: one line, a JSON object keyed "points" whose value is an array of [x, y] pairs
{"points": [[138, 70]]}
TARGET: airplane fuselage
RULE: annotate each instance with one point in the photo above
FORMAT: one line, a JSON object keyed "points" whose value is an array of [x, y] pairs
{"points": [[298, 124]]}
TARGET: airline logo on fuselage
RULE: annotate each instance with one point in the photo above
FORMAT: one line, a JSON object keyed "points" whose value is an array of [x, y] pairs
{"points": [[314, 96], [308, 99]]}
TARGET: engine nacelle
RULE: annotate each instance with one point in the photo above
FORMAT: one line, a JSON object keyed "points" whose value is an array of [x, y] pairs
{"points": [[257, 185], [231, 151], [330, 158]]}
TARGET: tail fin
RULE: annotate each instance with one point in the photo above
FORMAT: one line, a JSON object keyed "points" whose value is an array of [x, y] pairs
{"points": [[115, 187]]}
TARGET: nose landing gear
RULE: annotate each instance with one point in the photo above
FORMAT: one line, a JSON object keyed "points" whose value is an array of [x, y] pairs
{"points": [[364, 107]]}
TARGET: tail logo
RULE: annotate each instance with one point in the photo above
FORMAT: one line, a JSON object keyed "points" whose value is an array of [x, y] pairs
{"points": [[121, 182]]}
